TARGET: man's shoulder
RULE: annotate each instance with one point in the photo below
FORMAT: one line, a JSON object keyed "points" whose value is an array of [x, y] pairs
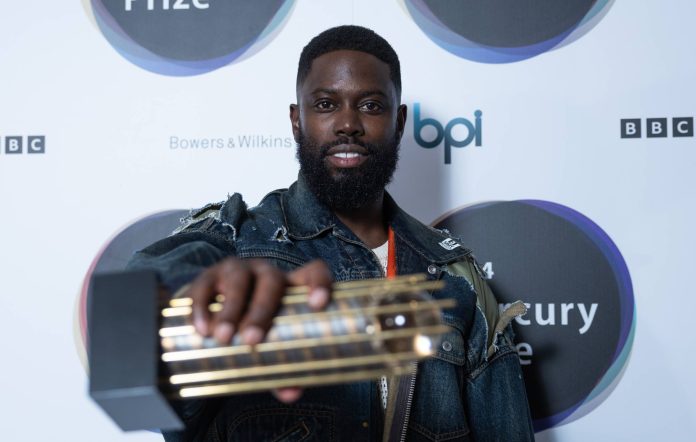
{"points": [[232, 215], [438, 245]]}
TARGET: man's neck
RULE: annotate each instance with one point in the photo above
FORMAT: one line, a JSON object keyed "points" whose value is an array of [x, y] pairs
{"points": [[367, 223]]}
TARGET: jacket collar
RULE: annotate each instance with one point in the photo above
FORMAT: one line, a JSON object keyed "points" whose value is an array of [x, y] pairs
{"points": [[305, 218], [435, 245]]}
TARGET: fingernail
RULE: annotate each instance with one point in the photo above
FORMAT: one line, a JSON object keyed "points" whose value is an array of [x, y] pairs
{"points": [[318, 298], [201, 325], [252, 335], [223, 332], [288, 395]]}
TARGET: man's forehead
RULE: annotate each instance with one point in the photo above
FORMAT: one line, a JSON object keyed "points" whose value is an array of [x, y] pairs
{"points": [[347, 65]]}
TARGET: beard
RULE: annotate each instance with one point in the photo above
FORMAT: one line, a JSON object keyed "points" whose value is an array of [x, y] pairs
{"points": [[344, 189]]}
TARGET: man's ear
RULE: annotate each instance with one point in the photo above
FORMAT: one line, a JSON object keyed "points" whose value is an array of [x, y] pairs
{"points": [[401, 114], [295, 121]]}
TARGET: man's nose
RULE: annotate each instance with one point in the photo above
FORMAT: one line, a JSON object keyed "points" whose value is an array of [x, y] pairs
{"points": [[348, 123]]}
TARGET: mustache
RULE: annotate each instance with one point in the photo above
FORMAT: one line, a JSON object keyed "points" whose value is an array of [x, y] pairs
{"points": [[369, 147]]}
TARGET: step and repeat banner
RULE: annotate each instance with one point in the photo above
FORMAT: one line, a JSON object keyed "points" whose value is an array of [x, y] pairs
{"points": [[555, 138]]}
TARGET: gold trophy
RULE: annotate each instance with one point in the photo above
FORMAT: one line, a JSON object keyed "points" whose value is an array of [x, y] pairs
{"points": [[145, 352]]}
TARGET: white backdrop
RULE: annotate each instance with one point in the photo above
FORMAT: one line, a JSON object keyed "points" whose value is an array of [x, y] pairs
{"points": [[551, 132]]}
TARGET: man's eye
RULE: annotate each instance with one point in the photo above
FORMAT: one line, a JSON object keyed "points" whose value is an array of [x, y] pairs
{"points": [[324, 105], [371, 106]]}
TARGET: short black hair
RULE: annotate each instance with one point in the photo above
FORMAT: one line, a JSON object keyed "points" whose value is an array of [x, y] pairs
{"points": [[351, 38]]}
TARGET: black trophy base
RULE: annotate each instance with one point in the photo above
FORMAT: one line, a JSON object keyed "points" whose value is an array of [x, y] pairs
{"points": [[124, 351]]}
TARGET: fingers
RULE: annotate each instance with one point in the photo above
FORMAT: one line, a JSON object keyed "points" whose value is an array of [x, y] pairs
{"points": [[252, 293], [234, 280], [317, 277], [253, 290], [200, 291], [269, 289]]}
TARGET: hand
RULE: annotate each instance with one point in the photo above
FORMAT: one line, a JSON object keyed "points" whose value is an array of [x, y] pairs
{"points": [[253, 290]]}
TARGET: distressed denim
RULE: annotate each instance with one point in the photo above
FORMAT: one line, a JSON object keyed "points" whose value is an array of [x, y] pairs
{"points": [[461, 394]]}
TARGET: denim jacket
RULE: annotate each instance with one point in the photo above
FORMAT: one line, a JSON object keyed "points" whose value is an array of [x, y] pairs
{"points": [[471, 390]]}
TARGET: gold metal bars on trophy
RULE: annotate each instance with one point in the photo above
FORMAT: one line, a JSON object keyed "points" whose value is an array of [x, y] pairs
{"points": [[370, 328]]}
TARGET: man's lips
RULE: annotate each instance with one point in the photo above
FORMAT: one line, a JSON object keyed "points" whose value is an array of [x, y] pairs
{"points": [[347, 148], [347, 155]]}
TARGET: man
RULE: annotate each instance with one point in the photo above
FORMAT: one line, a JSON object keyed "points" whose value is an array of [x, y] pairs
{"points": [[333, 224]]}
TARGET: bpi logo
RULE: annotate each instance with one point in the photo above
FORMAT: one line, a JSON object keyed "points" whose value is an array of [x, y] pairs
{"points": [[446, 133], [188, 37], [575, 340], [14, 145], [505, 31], [657, 127]]}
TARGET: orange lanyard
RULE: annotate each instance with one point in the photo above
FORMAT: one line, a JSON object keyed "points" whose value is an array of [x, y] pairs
{"points": [[391, 255]]}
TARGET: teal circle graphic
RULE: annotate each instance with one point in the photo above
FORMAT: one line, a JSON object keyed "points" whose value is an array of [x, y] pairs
{"points": [[188, 37], [576, 338], [505, 31]]}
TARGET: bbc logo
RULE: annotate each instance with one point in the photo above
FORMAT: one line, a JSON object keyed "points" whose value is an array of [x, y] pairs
{"points": [[657, 127], [15, 145]]}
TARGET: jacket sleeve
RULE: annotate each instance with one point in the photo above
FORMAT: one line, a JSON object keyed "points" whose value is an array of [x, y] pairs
{"points": [[494, 393], [179, 258], [205, 237]]}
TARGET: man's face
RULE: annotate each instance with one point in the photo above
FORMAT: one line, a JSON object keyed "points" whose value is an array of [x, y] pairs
{"points": [[348, 124]]}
